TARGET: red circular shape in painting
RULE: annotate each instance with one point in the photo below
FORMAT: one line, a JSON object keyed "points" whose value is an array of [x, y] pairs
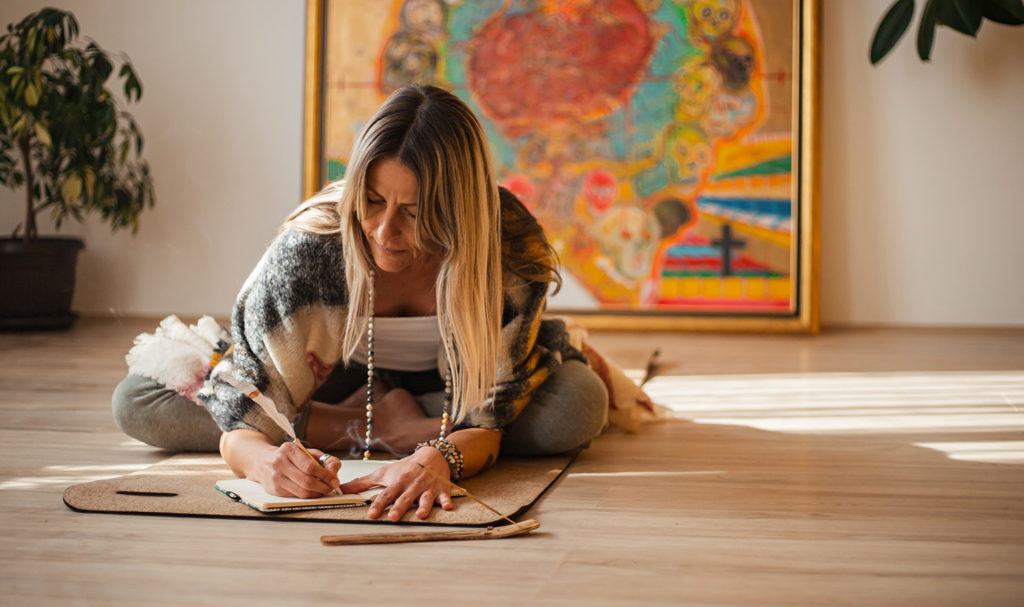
{"points": [[559, 66]]}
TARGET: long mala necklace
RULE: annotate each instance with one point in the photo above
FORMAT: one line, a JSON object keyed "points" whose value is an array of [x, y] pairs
{"points": [[441, 444]]}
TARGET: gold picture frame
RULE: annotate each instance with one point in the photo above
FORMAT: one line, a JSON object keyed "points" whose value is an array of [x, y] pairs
{"points": [[354, 56]]}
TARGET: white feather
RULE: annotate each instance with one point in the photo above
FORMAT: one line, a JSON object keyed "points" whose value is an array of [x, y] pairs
{"points": [[265, 403], [177, 355], [172, 356], [172, 328], [211, 330]]}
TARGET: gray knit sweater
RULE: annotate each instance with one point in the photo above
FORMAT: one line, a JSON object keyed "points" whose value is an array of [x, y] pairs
{"points": [[287, 324]]}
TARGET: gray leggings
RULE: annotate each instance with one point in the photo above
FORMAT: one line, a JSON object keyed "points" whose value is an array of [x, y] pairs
{"points": [[568, 410]]}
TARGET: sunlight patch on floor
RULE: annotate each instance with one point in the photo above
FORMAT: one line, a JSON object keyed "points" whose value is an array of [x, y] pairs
{"points": [[1007, 452], [69, 475], [860, 403]]}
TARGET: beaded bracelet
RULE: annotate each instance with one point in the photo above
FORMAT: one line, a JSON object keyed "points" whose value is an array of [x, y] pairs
{"points": [[451, 454]]}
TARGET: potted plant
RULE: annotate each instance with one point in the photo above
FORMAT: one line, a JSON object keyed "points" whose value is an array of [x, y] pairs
{"points": [[67, 141]]}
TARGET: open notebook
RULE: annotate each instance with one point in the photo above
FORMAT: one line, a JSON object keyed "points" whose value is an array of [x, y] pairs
{"points": [[253, 495]]}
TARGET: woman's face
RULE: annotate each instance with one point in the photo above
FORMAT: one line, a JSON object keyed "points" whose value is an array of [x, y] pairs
{"points": [[392, 202]]}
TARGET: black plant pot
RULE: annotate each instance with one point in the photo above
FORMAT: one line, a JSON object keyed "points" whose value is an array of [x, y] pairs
{"points": [[37, 280]]}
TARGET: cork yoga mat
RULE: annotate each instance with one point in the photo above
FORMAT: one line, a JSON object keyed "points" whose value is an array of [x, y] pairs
{"points": [[183, 485]]}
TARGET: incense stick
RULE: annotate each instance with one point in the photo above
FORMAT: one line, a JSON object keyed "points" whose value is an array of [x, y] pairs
{"points": [[652, 366], [468, 494]]}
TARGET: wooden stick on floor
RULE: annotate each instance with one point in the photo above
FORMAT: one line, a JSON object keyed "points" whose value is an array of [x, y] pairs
{"points": [[488, 533]]}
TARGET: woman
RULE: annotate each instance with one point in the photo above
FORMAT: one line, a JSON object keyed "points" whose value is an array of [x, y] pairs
{"points": [[398, 311]]}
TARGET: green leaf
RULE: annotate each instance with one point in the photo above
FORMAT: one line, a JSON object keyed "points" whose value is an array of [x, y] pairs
{"points": [[31, 94], [926, 31], [71, 189], [962, 15], [132, 86], [100, 64], [90, 182], [891, 29], [70, 25], [15, 69], [19, 125], [42, 134], [1007, 12]]}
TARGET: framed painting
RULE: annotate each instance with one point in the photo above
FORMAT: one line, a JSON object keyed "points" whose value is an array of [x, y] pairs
{"points": [[668, 147]]}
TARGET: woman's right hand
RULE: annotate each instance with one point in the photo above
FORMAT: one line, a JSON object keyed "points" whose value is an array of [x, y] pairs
{"points": [[287, 471]]}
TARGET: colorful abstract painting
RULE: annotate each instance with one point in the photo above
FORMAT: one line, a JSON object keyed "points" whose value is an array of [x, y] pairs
{"points": [[653, 139]]}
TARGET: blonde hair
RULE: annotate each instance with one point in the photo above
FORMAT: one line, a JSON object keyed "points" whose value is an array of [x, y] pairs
{"points": [[436, 136]]}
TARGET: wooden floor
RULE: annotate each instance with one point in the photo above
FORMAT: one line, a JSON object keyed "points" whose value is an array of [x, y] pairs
{"points": [[857, 467]]}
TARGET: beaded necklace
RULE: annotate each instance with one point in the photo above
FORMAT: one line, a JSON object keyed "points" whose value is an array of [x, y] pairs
{"points": [[369, 381]]}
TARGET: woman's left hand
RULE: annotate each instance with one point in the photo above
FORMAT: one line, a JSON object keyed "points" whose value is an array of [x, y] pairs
{"points": [[407, 484]]}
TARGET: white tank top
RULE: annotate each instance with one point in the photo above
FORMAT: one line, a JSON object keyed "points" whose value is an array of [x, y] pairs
{"points": [[403, 343]]}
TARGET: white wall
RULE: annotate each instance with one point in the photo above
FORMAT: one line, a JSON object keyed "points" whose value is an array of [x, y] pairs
{"points": [[922, 204], [922, 214]]}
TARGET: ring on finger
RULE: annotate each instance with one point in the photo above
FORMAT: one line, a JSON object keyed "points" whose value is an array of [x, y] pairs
{"points": [[323, 459]]}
